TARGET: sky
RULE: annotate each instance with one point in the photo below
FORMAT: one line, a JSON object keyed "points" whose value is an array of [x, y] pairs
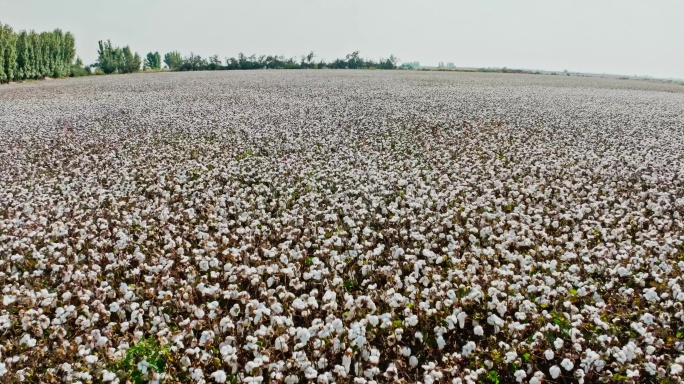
{"points": [[624, 37]]}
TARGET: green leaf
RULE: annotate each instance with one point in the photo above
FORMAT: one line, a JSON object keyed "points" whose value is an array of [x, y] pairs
{"points": [[494, 377]]}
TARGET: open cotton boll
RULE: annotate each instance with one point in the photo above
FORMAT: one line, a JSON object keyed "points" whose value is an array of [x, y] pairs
{"points": [[567, 364], [106, 376], [676, 369], [478, 330], [520, 375], [554, 371]]}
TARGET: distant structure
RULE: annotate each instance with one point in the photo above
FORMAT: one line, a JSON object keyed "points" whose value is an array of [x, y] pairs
{"points": [[451, 65], [440, 65], [410, 64]]}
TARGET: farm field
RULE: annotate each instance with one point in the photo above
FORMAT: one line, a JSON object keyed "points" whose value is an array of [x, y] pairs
{"points": [[341, 226]]}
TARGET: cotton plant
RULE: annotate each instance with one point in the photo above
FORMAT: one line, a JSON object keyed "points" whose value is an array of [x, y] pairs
{"points": [[242, 230]]}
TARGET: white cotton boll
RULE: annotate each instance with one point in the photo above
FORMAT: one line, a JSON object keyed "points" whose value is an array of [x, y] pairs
{"points": [[555, 371], [632, 373], [468, 348], [199, 313], [510, 357], [675, 369], [185, 361], [406, 351], [91, 359], [101, 341], [142, 366], [520, 375], [549, 354], [651, 295], [441, 343], [27, 340], [558, 343], [219, 376], [411, 321], [567, 364], [8, 299], [413, 361], [346, 361], [106, 376], [197, 374], [478, 330], [310, 373]]}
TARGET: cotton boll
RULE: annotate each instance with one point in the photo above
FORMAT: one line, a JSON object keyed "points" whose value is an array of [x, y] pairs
{"points": [[219, 376], [558, 343], [520, 375], [676, 369], [555, 371], [567, 364], [106, 376], [197, 374], [413, 361]]}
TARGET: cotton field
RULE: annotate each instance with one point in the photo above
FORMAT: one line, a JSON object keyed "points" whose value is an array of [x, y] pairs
{"points": [[341, 227]]}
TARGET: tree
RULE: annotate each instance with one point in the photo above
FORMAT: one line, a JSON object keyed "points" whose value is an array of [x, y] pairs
{"points": [[78, 69], [152, 61], [354, 61], [214, 63], [31, 55], [173, 60], [113, 59], [109, 58], [8, 51], [194, 63], [131, 62]]}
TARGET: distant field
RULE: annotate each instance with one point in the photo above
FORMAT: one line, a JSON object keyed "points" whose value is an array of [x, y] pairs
{"points": [[322, 226]]}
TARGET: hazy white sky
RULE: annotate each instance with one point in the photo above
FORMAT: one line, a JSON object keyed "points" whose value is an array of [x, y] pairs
{"points": [[643, 37]]}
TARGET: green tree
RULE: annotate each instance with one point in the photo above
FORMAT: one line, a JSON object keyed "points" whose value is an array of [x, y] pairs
{"points": [[214, 63], [113, 59], [31, 55], [129, 61], [173, 60], [194, 63], [8, 50], [354, 61], [109, 58], [152, 61]]}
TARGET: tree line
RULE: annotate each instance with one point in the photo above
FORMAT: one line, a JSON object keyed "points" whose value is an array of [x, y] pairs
{"points": [[174, 61], [32, 55], [121, 60]]}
